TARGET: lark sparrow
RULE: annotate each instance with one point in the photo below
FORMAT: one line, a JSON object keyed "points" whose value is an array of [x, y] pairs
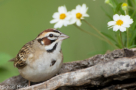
{"points": [[41, 58]]}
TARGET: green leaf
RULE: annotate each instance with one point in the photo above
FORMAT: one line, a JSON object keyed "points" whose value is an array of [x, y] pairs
{"points": [[133, 14], [118, 8], [132, 28], [107, 35], [133, 25], [4, 58], [129, 2], [133, 46], [133, 37], [2, 69], [118, 45], [107, 14], [135, 1], [114, 3]]}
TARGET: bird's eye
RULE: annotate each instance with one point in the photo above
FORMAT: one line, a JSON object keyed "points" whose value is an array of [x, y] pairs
{"points": [[51, 35]]}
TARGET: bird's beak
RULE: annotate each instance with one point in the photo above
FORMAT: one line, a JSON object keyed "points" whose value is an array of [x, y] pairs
{"points": [[62, 37]]}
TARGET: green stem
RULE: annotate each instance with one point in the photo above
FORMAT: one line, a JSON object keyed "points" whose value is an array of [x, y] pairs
{"points": [[101, 34], [92, 34], [88, 32], [131, 8], [126, 12], [121, 39], [127, 28], [127, 38]]}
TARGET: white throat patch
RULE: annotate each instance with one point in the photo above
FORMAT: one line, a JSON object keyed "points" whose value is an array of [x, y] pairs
{"points": [[51, 46]]}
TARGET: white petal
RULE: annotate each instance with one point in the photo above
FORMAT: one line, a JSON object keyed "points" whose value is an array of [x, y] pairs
{"points": [[84, 8], [116, 17], [111, 23], [130, 21], [61, 24], [78, 22], [73, 11], [78, 7], [73, 14], [121, 17], [66, 23], [127, 17], [115, 28], [58, 24], [82, 18], [127, 21], [69, 16], [56, 15], [72, 21], [62, 9], [86, 15], [54, 21], [122, 29], [125, 25], [65, 9]]}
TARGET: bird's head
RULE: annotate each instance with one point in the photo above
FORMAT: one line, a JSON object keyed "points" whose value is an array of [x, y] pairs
{"points": [[51, 39]]}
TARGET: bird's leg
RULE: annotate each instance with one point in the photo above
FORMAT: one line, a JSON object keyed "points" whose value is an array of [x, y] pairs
{"points": [[29, 83]]}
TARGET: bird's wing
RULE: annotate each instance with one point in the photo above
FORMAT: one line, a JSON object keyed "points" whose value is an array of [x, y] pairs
{"points": [[20, 60]]}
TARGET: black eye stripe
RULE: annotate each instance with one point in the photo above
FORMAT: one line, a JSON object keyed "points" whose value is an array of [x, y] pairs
{"points": [[39, 40], [53, 41]]}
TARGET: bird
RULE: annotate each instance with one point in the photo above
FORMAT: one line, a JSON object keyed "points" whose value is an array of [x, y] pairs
{"points": [[41, 58]]}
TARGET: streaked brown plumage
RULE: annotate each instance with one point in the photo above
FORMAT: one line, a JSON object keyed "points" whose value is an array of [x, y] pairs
{"points": [[20, 60]]}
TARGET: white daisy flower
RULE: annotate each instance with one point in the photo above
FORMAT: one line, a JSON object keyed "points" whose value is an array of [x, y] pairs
{"points": [[78, 14], [61, 17], [120, 22]]}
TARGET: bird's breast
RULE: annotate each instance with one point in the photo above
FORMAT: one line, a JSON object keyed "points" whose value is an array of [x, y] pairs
{"points": [[42, 67]]}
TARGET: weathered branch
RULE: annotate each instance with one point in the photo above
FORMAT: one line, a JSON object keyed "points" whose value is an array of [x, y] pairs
{"points": [[101, 72]]}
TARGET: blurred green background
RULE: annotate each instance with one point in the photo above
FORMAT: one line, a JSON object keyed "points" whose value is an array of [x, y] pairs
{"points": [[22, 20]]}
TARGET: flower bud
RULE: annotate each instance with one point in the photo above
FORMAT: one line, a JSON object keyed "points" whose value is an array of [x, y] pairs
{"points": [[107, 1], [124, 6]]}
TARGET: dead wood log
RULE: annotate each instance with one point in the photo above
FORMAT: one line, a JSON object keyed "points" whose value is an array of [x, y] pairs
{"points": [[113, 71]]}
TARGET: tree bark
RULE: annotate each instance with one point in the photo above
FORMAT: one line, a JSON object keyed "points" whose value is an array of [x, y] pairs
{"points": [[113, 71]]}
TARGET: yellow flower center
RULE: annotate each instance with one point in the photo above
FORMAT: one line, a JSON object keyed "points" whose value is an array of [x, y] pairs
{"points": [[119, 22], [124, 4], [62, 16], [78, 15]]}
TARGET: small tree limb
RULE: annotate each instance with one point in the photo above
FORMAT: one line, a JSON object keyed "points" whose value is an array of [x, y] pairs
{"points": [[100, 72]]}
